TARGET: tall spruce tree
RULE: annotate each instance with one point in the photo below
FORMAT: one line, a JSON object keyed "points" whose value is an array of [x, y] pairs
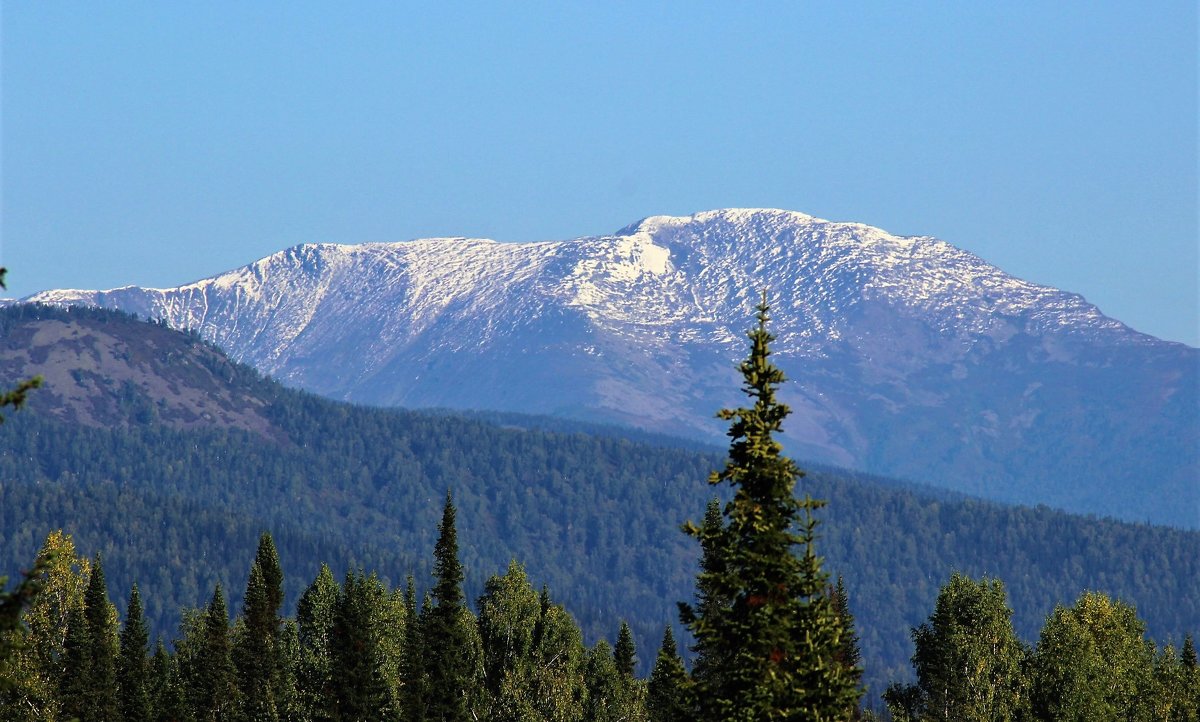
{"points": [[770, 634], [361, 691], [708, 600], [449, 657], [133, 668], [168, 699], [849, 656], [314, 619], [264, 624], [74, 684], [667, 694], [267, 559], [216, 693], [100, 617], [625, 653], [412, 663], [254, 650]]}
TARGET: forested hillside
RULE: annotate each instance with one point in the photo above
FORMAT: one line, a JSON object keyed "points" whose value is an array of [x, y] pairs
{"points": [[178, 509]]}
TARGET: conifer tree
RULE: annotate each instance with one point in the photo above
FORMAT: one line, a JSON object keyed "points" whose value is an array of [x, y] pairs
{"points": [[101, 644], [314, 619], [667, 692], [709, 603], [267, 560], [770, 633], [360, 690], [287, 655], [412, 666], [167, 694], [74, 687], [216, 682], [625, 653], [1191, 677], [254, 649], [133, 670], [848, 655], [263, 623], [446, 639]]}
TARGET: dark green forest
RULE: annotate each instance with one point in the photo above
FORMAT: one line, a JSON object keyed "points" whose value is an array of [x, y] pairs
{"points": [[596, 519]]}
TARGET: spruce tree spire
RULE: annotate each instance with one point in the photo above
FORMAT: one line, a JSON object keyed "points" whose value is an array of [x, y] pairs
{"points": [[254, 651], [667, 691], [101, 624], [133, 671], [267, 560], [445, 642], [625, 653], [216, 687], [764, 627], [447, 568]]}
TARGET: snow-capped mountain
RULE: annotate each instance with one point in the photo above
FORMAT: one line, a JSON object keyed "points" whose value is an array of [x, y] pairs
{"points": [[906, 356]]}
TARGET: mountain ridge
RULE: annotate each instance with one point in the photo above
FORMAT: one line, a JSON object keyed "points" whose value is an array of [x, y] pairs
{"points": [[910, 357]]}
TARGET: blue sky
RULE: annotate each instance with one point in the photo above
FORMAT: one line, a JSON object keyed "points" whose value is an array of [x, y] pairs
{"points": [[158, 143]]}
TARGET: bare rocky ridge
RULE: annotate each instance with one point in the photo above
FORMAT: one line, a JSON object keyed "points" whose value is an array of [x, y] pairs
{"points": [[908, 357], [113, 371]]}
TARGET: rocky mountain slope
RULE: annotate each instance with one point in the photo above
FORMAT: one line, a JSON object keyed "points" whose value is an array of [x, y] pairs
{"points": [[908, 356]]}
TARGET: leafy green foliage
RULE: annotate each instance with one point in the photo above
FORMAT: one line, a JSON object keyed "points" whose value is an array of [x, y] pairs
{"points": [[314, 668], [968, 659], [1093, 662]]}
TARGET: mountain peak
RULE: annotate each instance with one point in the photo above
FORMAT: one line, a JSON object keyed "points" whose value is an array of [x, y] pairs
{"points": [[909, 357]]}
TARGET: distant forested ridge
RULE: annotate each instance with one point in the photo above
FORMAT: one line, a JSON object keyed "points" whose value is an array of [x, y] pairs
{"points": [[178, 506]]}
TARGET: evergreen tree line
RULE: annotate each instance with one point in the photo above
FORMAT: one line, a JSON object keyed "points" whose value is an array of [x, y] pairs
{"points": [[360, 650], [354, 650]]}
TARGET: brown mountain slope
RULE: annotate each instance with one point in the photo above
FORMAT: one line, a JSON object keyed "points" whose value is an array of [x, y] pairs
{"points": [[100, 370]]}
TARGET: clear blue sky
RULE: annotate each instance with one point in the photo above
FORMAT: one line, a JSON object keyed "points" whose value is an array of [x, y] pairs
{"points": [[155, 143]]}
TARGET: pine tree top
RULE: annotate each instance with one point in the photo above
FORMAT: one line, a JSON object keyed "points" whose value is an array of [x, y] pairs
{"points": [[447, 568], [625, 653]]}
